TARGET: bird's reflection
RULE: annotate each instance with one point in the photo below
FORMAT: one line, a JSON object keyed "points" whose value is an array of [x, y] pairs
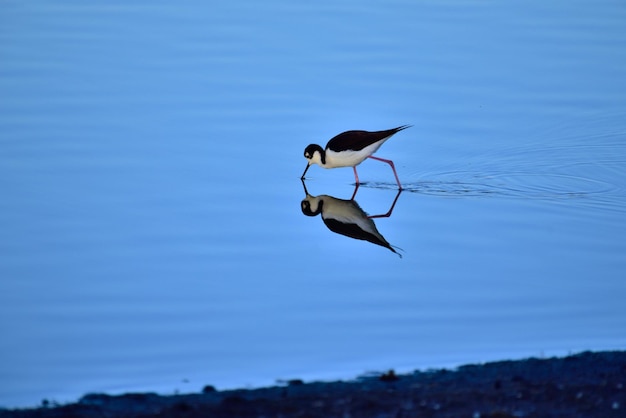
{"points": [[346, 217]]}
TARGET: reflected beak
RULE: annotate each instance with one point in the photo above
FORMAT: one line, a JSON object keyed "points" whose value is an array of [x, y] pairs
{"points": [[305, 170], [306, 192]]}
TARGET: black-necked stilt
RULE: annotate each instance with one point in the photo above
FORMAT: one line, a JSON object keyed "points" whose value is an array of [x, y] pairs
{"points": [[349, 149], [346, 217]]}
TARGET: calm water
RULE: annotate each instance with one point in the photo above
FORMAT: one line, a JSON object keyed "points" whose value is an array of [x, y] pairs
{"points": [[152, 232]]}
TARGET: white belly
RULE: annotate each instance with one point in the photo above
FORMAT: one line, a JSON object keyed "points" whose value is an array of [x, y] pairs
{"points": [[350, 158]]}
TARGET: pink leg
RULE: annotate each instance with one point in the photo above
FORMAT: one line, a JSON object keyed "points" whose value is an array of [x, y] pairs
{"points": [[392, 167], [356, 176]]}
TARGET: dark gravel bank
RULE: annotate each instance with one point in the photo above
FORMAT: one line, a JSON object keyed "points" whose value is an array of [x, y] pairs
{"points": [[586, 385]]}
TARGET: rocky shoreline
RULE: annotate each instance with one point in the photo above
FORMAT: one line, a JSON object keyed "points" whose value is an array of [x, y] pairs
{"points": [[589, 384]]}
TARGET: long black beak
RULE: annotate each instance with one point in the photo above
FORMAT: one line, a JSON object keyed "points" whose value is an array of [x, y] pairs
{"points": [[305, 170]]}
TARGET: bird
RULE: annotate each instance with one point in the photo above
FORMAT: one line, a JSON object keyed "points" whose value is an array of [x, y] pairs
{"points": [[349, 149]]}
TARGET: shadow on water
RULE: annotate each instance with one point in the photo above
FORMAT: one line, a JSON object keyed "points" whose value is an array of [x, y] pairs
{"points": [[345, 217]]}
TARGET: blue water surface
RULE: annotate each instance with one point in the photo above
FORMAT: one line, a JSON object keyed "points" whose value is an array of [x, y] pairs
{"points": [[150, 160]]}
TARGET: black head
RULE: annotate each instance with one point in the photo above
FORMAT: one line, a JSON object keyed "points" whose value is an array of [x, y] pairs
{"points": [[315, 155], [309, 151]]}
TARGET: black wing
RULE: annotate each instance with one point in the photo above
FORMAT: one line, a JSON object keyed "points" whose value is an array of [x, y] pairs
{"points": [[357, 140]]}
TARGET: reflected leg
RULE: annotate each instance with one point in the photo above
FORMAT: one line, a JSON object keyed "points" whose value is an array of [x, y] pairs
{"points": [[356, 188], [390, 211]]}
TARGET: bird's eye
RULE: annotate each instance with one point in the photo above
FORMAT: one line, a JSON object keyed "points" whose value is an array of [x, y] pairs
{"points": [[307, 155]]}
